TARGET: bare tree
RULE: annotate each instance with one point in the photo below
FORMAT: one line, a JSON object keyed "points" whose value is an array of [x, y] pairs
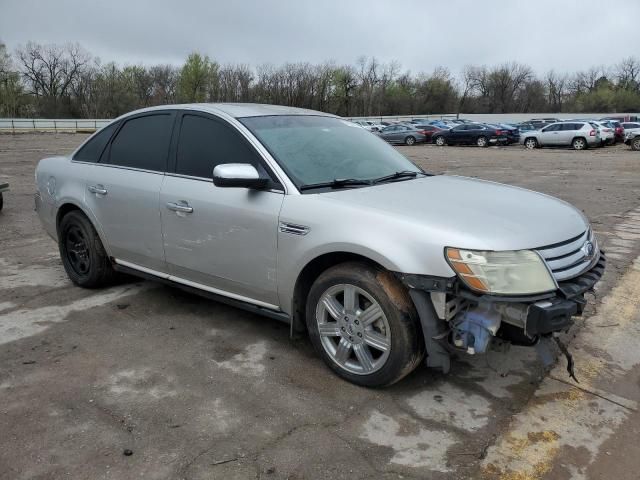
{"points": [[50, 70]]}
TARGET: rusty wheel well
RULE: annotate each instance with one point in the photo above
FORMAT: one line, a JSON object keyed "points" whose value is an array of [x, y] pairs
{"points": [[309, 274]]}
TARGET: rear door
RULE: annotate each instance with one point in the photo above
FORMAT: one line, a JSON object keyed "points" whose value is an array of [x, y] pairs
{"points": [[458, 134], [567, 133], [224, 239], [123, 188]]}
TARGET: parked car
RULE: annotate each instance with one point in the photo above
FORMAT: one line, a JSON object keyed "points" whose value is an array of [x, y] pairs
{"points": [[622, 118], [471, 133], [607, 132], [300, 216], [513, 133], [526, 127], [538, 123], [632, 138], [428, 131], [402, 134], [630, 125], [369, 125], [579, 135], [4, 187], [618, 130]]}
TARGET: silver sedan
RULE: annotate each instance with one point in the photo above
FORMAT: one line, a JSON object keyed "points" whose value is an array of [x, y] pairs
{"points": [[402, 134]]}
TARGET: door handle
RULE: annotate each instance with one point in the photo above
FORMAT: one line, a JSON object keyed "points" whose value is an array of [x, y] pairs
{"points": [[182, 207], [97, 189]]}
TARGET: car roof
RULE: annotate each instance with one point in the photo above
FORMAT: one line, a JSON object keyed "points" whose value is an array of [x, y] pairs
{"points": [[236, 110]]}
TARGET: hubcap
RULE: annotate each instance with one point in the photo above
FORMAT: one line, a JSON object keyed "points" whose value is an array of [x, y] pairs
{"points": [[636, 144], [410, 141], [77, 250], [482, 141], [354, 330], [578, 144], [440, 141], [531, 144]]}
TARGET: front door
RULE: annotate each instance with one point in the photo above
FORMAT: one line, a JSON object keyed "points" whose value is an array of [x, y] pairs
{"points": [[123, 189], [222, 238]]}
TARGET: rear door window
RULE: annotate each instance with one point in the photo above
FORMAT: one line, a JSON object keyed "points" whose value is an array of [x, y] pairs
{"points": [[143, 142], [91, 151]]}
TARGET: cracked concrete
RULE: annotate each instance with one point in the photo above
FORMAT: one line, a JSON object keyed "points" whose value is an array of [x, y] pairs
{"points": [[196, 389]]}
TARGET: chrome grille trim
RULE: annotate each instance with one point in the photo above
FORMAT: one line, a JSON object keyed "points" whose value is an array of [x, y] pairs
{"points": [[567, 259]]}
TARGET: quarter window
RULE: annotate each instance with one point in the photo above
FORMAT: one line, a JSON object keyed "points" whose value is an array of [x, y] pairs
{"points": [[92, 150], [143, 142], [205, 143]]}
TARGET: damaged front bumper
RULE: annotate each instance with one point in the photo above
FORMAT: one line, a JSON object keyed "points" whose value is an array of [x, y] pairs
{"points": [[455, 319]]}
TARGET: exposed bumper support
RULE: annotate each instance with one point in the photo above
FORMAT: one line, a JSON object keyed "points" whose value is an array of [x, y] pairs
{"points": [[432, 328]]}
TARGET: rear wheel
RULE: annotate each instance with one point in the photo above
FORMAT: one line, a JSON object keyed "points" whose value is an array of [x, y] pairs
{"points": [[579, 143], [363, 324], [409, 140], [482, 142], [635, 143], [440, 141], [82, 253], [531, 143]]}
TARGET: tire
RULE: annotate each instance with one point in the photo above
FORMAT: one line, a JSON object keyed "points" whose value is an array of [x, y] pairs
{"points": [[410, 141], [440, 141], [531, 143], [82, 253], [482, 141], [375, 354], [579, 143], [635, 144]]}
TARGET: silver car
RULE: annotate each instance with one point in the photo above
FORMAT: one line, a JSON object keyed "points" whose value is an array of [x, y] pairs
{"points": [[402, 134], [306, 218], [577, 134]]}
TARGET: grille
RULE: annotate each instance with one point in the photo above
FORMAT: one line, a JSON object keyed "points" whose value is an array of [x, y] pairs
{"points": [[570, 258]]}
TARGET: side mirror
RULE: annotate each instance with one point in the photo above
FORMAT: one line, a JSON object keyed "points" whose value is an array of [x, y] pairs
{"points": [[238, 175]]}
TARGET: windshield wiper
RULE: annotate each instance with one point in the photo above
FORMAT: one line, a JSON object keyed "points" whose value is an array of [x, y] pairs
{"points": [[335, 183], [397, 175]]}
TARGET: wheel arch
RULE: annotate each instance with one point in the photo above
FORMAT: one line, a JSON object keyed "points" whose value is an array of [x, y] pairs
{"points": [[309, 273], [67, 206]]}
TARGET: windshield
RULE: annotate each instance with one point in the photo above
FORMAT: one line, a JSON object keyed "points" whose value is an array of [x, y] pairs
{"points": [[317, 149]]}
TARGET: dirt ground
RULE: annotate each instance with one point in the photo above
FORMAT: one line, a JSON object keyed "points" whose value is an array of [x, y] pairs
{"points": [[146, 381]]}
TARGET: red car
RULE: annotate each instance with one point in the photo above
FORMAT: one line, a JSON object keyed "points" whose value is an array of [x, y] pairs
{"points": [[428, 131]]}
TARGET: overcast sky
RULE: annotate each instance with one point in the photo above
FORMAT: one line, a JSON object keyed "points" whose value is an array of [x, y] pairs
{"points": [[560, 34]]}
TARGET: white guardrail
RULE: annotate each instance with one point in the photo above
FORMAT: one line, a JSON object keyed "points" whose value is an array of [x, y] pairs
{"points": [[80, 125], [84, 125]]}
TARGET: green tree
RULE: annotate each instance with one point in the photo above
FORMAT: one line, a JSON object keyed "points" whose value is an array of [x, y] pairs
{"points": [[196, 78]]}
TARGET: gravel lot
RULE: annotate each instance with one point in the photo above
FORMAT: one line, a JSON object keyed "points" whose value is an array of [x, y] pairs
{"points": [[195, 389]]}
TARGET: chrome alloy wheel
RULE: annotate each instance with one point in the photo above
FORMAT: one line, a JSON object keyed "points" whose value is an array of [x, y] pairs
{"points": [[353, 329]]}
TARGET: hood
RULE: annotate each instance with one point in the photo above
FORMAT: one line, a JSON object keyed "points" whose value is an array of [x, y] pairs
{"points": [[469, 213]]}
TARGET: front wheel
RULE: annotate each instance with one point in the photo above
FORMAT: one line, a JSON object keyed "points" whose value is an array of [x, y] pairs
{"points": [[531, 143], [440, 141], [363, 324], [409, 141], [482, 142], [579, 143], [635, 144]]}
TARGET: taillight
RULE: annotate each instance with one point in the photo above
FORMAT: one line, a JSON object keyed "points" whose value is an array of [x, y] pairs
{"points": [[592, 133]]}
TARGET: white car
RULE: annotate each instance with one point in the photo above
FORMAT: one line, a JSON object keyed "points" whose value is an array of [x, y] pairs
{"points": [[369, 125], [607, 133]]}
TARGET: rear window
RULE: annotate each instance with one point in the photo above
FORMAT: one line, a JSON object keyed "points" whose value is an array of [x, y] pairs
{"points": [[92, 150]]}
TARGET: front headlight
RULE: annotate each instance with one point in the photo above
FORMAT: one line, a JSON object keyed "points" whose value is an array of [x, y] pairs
{"points": [[517, 272]]}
